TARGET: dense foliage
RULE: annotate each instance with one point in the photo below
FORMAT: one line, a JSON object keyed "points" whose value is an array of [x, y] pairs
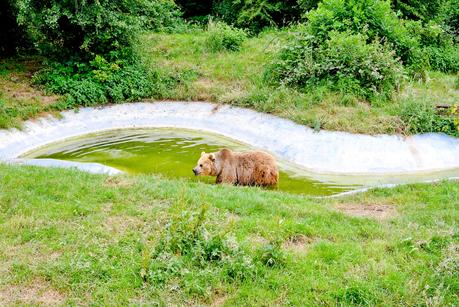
{"points": [[418, 9], [355, 46], [253, 15], [344, 62], [84, 29], [97, 82]]}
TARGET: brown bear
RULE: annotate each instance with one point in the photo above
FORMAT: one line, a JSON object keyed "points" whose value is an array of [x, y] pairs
{"points": [[239, 168]]}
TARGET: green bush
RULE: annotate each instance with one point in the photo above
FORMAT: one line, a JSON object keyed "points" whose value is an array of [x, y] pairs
{"points": [[422, 118], [344, 62], [445, 59], [97, 82], [420, 45], [68, 28], [448, 17], [252, 15], [374, 18], [418, 9], [158, 15], [256, 15], [221, 36], [437, 48], [360, 47]]}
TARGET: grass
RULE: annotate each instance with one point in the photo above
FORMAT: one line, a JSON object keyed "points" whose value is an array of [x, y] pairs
{"points": [[19, 101], [72, 237], [237, 78]]}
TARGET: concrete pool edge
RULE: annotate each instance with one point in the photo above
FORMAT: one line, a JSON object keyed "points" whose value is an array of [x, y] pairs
{"points": [[325, 152]]}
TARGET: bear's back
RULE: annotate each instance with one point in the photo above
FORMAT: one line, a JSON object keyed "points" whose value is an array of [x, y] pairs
{"points": [[256, 168]]}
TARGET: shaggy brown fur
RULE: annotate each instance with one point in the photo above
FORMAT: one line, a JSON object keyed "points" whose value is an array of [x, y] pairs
{"points": [[239, 168]]}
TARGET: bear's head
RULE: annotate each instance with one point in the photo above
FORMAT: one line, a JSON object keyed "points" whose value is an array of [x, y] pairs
{"points": [[206, 165]]}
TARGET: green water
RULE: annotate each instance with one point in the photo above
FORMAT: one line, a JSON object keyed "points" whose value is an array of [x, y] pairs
{"points": [[169, 152]]}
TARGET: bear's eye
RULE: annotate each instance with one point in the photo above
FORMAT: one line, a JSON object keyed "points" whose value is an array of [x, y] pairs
{"points": [[200, 165]]}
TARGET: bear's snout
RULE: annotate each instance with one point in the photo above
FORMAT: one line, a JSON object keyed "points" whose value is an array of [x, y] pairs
{"points": [[195, 171]]}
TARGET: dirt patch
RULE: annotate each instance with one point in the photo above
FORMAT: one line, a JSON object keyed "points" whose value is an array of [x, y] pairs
{"points": [[204, 89], [18, 89], [298, 244], [30, 253], [121, 224], [118, 181], [204, 83], [258, 240], [37, 292], [219, 299], [232, 217], [376, 211]]}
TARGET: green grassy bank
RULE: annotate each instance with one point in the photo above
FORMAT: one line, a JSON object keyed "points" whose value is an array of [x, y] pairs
{"points": [[71, 237]]}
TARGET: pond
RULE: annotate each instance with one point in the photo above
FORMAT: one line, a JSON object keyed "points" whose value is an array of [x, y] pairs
{"points": [[172, 153]]}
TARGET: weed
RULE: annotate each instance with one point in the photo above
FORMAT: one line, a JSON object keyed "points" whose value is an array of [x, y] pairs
{"points": [[192, 247], [421, 117]]}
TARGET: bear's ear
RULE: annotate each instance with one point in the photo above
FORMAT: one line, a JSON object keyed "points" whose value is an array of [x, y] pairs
{"points": [[212, 157], [203, 153]]}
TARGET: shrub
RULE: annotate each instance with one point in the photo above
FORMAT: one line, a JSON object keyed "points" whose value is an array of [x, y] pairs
{"points": [[256, 15], [89, 46], [345, 62], [437, 48], [445, 59], [448, 17], [377, 21], [221, 36], [455, 114], [96, 82], [158, 15], [253, 15], [418, 9], [67, 28], [374, 18], [422, 118]]}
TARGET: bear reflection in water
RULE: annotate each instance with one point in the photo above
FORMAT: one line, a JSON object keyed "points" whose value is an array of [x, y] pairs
{"points": [[239, 168]]}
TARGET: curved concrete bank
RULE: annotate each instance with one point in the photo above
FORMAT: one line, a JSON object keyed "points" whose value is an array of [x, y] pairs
{"points": [[319, 152]]}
